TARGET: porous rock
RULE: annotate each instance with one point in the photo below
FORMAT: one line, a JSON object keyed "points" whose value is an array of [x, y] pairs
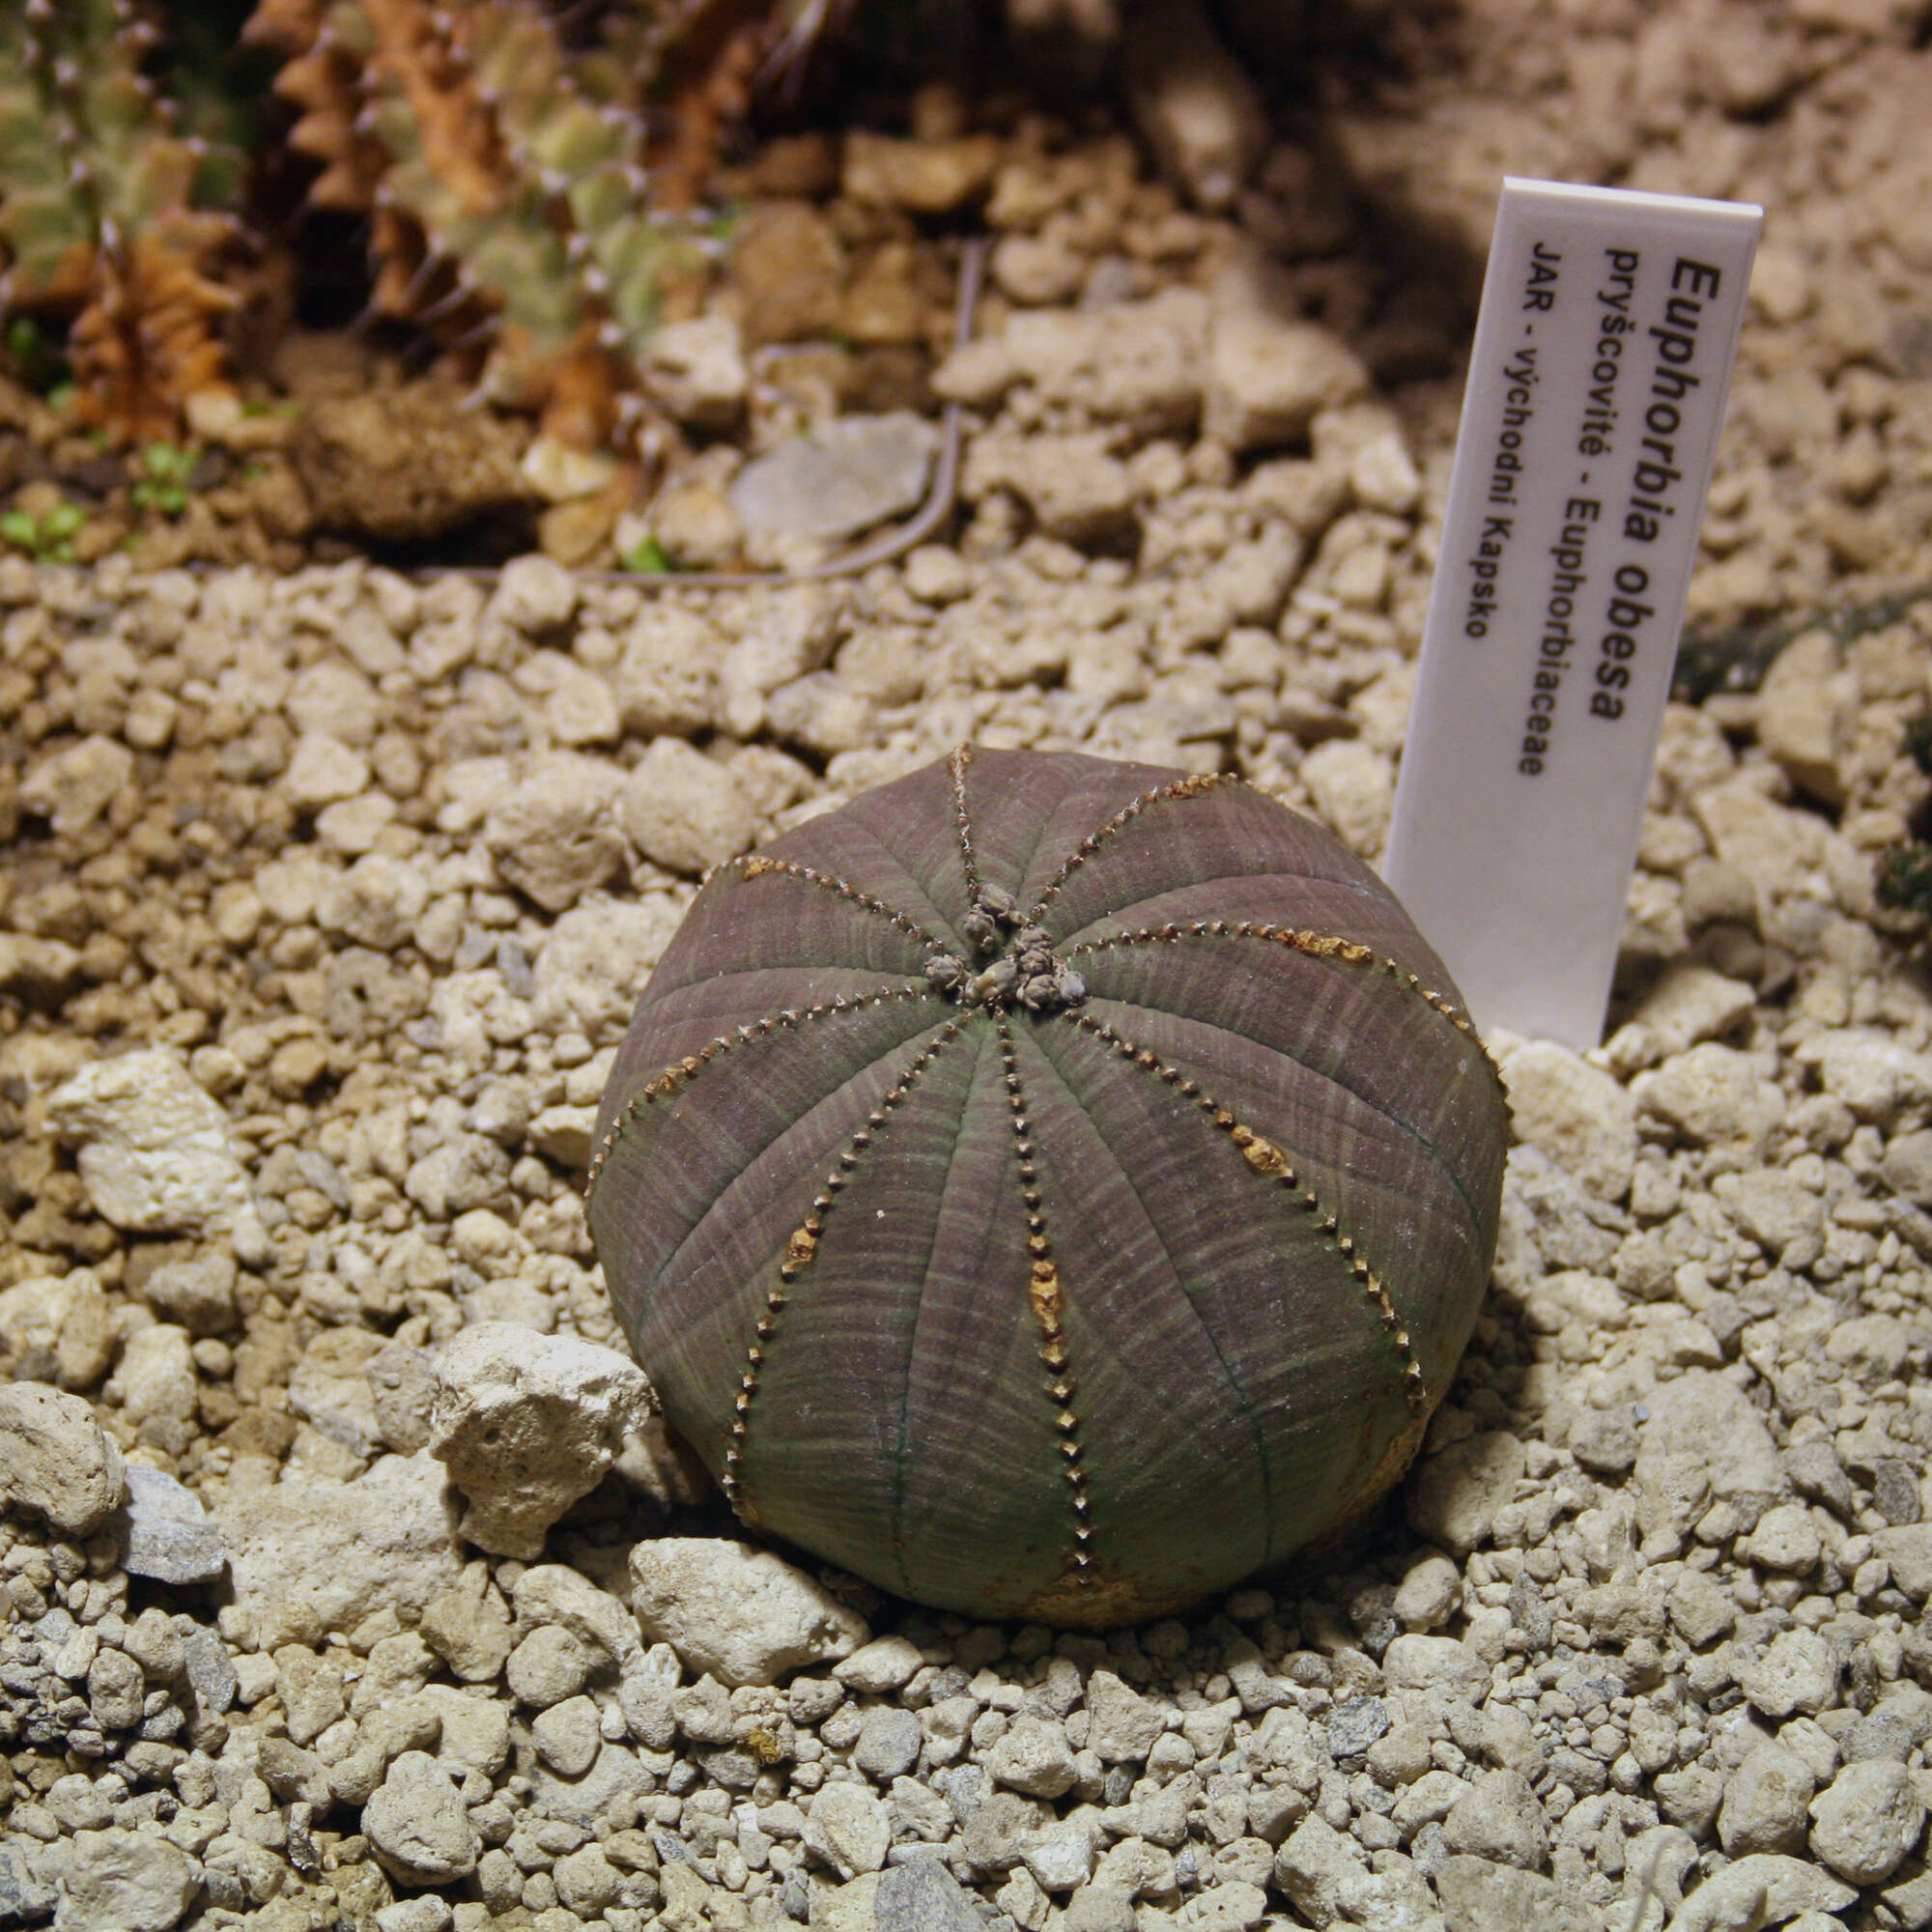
{"points": [[1499, 1819], [154, 1152], [312, 1552], [1867, 1819], [1797, 1672], [1703, 1442], [1765, 1801], [1269, 375], [75, 786], [56, 1459], [417, 1826], [119, 1881], [1578, 1114], [1454, 1496], [552, 835], [745, 1615], [58, 1328], [683, 810], [527, 1423], [849, 1829], [1763, 1889], [596, 960], [1035, 1757], [1479, 1895]]}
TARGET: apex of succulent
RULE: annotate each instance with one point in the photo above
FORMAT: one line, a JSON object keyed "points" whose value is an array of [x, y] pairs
{"points": [[1050, 1187]]}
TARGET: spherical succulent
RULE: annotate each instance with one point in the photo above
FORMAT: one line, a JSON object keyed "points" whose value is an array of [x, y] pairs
{"points": [[1050, 1187]]}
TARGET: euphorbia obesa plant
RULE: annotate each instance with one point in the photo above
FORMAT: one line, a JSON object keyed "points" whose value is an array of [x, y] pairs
{"points": [[1050, 1187]]}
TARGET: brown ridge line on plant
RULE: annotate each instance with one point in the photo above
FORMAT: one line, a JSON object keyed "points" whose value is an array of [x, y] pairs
{"points": [[754, 864], [1315, 946], [1188, 787], [1045, 1301], [679, 1074], [800, 1251], [1267, 1161]]}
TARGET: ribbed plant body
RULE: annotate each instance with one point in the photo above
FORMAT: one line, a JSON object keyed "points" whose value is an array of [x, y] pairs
{"points": [[110, 217], [1050, 1187]]}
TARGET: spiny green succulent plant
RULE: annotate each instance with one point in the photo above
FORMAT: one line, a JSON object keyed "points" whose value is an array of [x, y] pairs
{"points": [[514, 192], [1050, 1187], [108, 216]]}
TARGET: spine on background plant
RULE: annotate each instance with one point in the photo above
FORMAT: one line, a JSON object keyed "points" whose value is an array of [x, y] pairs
{"points": [[516, 211], [106, 215]]}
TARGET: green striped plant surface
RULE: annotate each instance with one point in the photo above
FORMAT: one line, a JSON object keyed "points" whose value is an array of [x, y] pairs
{"points": [[1050, 1187]]}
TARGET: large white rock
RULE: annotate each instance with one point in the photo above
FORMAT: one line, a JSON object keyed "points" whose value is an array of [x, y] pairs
{"points": [[1763, 1889], [527, 1423], [1581, 1117], [72, 788], [1703, 1443], [1270, 373], [684, 811], [745, 1615], [55, 1459], [596, 960], [1713, 1096], [417, 1824], [118, 1881], [1867, 1821], [57, 1329], [310, 1552], [154, 1152], [550, 834], [849, 1829], [1875, 1076]]}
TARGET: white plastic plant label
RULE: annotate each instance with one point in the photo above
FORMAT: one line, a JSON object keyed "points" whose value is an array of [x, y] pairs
{"points": [[1602, 355]]}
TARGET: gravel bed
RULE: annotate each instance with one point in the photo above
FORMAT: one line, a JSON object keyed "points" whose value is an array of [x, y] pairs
{"points": [[346, 1576]]}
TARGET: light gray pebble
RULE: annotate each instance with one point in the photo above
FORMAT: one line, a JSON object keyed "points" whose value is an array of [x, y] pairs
{"points": [[425, 1912], [1059, 1856], [165, 1532], [1033, 1757], [885, 1664], [567, 1736], [549, 1665], [1765, 1805], [1498, 1819], [849, 1829], [888, 1742]]}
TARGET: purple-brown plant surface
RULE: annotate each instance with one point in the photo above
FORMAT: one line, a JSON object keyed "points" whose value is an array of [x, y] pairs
{"points": [[1050, 1187]]}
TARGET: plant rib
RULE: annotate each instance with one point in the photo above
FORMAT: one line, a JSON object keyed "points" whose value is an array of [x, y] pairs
{"points": [[1187, 787], [1046, 1301], [680, 1074], [800, 1251], [1270, 1161]]}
